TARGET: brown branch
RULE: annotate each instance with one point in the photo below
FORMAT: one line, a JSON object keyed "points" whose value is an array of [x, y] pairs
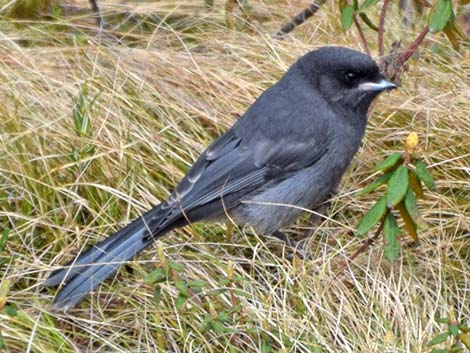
{"points": [[361, 35], [368, 242], [99, 16], [300, 18], [413, 46], [381, 27]]}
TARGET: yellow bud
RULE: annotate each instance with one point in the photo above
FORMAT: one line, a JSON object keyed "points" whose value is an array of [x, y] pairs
{"points": [[411, 142], [230, 271], [161, 255], [389, 338]]}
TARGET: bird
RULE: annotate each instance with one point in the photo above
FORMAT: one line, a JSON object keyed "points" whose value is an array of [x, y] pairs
{"points": [[285, 154]]}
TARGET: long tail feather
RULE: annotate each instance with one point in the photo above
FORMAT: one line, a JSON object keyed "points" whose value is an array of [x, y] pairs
{"points": [[102, 260]]}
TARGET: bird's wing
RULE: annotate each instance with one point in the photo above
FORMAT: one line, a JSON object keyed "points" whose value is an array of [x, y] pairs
{"points": [[234, 166]]}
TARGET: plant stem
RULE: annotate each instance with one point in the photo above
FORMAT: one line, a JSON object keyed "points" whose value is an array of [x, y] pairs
{"points": [[361, 35], [413, 46], [381, 27], [368, 242], [300, 18], [96, 9]]}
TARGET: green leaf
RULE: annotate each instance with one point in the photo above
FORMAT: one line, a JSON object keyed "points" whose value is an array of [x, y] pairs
{"points": [[397, 186], [2, 342], [439, 339], [182, 288], [453, 329], [367, 3], [157, 276], [440, 15], [424, 175], [157, 294], [223, 317], [209, 4], [391, 233], [465, 339], [176, 266], [415, 184], [372, 217], [440, 350], [266, 347], [368, 22], [11, 310], [180, 302], [347, 17], [375, 184], [411, 205], [409, 224], [456, 348], [442, 320], [389, 162], [197, 283], [4, 238], [218, 327]]}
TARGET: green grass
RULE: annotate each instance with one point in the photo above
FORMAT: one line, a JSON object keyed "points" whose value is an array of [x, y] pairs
{"points": [[165, 90]]}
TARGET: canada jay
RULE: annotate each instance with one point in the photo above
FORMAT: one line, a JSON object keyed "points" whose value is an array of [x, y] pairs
{"points": [[290, 148]]}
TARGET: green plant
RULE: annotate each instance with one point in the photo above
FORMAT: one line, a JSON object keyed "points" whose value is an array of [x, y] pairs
{"points": [[81, 117], [403, 175], [455, 338]]}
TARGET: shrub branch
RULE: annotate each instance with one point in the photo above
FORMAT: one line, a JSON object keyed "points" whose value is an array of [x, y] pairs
{"points": [[300, 18]]}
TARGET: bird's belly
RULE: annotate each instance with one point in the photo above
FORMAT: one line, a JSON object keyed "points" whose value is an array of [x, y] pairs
{"points": [[281, 204]]}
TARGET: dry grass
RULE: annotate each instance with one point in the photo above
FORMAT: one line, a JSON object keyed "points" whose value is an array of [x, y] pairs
{"points": [[177, 79]]}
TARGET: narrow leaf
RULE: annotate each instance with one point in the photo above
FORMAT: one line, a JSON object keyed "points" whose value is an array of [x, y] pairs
{"points": [[424, 175], [442, 320], [4, 238], [11, 310], [367, 3], [176, 266], [456, 347], [440, 350], [197, 283], [453, 329], [347, 17], [157, 276], [368, 22], [440, 15], [390, 161], [372, 217], [415, 184], [391, 233], [465, 339], [180, 302], [375, 184], [2, 342], [439, 339], [397, 185], [411, 205], [451, 35], [409, 224], [182, 288], [157, 294]]}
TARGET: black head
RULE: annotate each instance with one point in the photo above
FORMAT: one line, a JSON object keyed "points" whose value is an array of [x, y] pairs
{"points": [[344, 77]]}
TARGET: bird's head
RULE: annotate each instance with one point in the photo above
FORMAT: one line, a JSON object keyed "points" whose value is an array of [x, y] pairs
{"points": [[346, 78]]}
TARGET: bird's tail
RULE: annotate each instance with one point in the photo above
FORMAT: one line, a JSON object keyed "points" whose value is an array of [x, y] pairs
{"points": [[100, 261]]}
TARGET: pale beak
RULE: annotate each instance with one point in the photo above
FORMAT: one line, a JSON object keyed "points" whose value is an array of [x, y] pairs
{"points": [[382, 85]]}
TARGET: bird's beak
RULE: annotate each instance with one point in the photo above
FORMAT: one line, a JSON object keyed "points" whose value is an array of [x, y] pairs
{"points": [[382, 85]]}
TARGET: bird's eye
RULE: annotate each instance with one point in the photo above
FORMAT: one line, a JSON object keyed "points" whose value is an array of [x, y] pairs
{"points": [[350, 77]]}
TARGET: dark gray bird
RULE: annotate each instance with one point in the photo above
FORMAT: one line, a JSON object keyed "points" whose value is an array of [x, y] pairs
{"points": [[291, 147]]}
